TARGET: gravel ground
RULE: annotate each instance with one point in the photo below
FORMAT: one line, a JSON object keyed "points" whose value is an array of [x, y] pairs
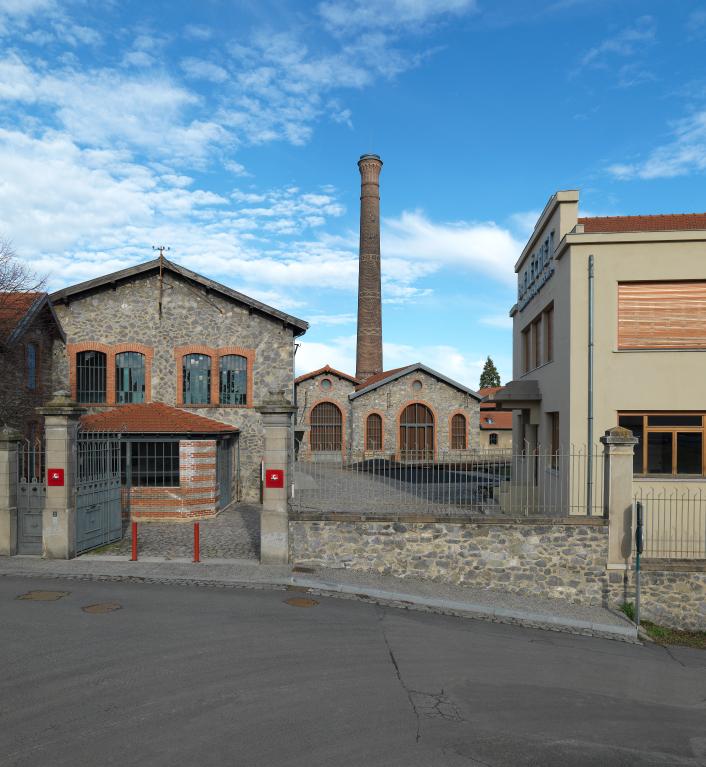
{"points": [[233, 534]]}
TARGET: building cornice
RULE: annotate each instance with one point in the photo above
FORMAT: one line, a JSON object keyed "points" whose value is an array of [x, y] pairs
{"points": [[617, 238]]}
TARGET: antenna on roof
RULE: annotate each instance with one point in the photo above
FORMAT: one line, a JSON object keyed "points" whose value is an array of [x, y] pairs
{"points": [[161, 249]]}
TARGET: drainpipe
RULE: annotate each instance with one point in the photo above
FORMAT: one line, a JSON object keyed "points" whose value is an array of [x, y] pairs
{"points": [[589, 465]]}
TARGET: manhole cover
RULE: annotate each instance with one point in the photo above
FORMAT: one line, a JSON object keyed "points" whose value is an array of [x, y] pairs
{"points": [[102, 607], [301, 602], [44, 596], [301, 569]]}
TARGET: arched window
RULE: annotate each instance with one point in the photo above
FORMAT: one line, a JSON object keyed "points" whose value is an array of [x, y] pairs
{"points": [[492, 438], [233, 379], [373, 432], [458, 432], [417, 433], [90, 376], [326, 427], [196, 379], [129, 377]]}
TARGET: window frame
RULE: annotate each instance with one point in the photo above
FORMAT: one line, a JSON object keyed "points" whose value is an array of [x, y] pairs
{"points": [[537, 344], [244, 372], [79, 375], [32, 382], [337, 430], [130, 475], [117, 377], [674, 430], [554, 438], [493, 438], [454, 434], [209, 380], [368, 431]]}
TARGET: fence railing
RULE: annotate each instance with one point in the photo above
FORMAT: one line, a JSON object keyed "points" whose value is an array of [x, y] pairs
{"points": [[674, 523], [458, 483]]}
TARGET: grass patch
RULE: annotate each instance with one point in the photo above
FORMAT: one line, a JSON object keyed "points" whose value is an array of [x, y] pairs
{"points": [[629, 609], [663, 635]]}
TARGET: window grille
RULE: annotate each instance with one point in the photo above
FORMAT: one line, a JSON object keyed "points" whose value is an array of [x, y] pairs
{"points": [[458, 432], [374, 432], [492, 438], [150, 464], [90, 376], [233, 379], [196, 379], [326, 427], [31, 352], [129, 377]]}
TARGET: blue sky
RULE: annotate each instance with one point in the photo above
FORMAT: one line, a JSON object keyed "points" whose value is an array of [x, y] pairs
{"points": [[230, 131]]}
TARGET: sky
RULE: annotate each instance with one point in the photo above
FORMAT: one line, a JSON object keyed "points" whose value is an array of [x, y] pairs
{"points": [[229, 130]]}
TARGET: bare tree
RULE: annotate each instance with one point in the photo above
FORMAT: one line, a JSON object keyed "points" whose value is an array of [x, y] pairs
{"points": [[15, 276]]}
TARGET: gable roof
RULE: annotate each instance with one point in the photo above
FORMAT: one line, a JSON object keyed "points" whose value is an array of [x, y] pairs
{"points": [[380, 379], [655, 223], [322, 371], [495, 420], [153, 418], [19, 309], [65, 294]]}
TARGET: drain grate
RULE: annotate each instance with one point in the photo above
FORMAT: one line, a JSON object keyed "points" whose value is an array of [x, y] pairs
{"points": [[44, 596], [301, 602], [102, 607]]}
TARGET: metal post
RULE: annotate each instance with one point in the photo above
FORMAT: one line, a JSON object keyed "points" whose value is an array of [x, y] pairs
{"points": [[639, 546], [197, 543], [589, 465], [133, 558]]}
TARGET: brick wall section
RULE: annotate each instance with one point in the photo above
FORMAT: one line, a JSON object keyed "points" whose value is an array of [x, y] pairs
{"points": [[549, 558], [197, 495], [128, 312]]}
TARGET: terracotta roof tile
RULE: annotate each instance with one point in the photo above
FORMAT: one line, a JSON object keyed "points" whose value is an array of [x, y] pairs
{"points": [[13, 307], [379, 377], [659, 223], [501, 419], [325, 369], [153, 418]]}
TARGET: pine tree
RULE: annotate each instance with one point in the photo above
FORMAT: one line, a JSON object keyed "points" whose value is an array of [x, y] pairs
{"points": [[490, 375]]}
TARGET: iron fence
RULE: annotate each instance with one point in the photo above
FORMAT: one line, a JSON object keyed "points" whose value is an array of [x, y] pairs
{"points": [[457, 483], [674, 522]]}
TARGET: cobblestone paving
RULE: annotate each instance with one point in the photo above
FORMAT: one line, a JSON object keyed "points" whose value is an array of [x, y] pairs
{"points": [[233, 534]]}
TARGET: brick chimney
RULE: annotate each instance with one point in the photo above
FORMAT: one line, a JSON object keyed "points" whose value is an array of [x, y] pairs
{"points": [[369, 344]]}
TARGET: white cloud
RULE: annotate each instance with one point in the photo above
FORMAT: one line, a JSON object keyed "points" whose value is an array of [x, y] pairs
{"points": [[331, 319], [625, 43], [236, 168], [339, 353], [352, 15], [197, 32], [444, 358], [198, 69], [501, 321], [685, 154]]}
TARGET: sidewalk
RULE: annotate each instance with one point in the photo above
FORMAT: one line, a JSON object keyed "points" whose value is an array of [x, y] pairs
{"points": [[553, 614]]}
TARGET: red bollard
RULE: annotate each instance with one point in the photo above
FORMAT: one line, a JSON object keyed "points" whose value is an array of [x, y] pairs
{"points": [[197, 543], [133, 558]]}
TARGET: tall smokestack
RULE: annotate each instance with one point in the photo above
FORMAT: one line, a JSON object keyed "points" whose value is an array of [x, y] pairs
{"points": [[369, 347]]}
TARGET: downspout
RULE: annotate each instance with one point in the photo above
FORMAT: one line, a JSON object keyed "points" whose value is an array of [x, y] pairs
{"points": [[589, 447]]}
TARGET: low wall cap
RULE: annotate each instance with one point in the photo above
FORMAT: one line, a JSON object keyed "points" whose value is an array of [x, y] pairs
{"points": [[619, 434]]}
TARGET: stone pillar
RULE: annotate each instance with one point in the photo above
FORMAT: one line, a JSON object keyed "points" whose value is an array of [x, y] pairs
{"points": [[8, 490], [274, 519], [369, 341], [61, 418], [619, 447]]}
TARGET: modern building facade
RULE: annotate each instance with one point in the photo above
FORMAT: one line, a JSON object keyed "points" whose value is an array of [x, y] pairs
{"points": [[609, 329]]}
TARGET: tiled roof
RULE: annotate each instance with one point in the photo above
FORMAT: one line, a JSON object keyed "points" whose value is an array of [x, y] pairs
{"points": [[13, 307], [501, 419], [488, 391], [326, 369], [660, 223], [153, 418], [380, 377]]}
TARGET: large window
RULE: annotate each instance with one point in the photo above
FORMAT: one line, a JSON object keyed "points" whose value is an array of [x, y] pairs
{"points": [[32, 359], [151, 464], [538, 340], [90, 376], [668, 444], [373, 432], [233, 379], [196, 379], [326, 427], [417, 432], [458, 432], [129, 377]]}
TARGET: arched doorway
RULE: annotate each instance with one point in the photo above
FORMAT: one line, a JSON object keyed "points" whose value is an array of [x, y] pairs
{"points": [[417, 433], [326, 428]]}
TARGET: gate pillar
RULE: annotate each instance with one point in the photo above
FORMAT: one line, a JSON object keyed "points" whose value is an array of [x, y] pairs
{"points": [[274, 520], [61, 418], [619, 446], [9, 439]]}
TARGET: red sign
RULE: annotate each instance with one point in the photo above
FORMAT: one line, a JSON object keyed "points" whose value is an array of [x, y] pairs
{"points": [[274, 478], [55, 477]]}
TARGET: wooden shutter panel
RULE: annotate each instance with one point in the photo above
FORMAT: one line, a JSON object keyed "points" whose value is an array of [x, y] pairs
{"points": [[662, 315]]}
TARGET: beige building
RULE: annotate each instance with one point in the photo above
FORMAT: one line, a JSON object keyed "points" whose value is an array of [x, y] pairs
{"points": [[610, 328], [495, 423]]}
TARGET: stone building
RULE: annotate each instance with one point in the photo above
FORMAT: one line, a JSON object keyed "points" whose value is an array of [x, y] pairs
{"points": [[409, 413], [181, 363], [495, 424], [28, 329]]}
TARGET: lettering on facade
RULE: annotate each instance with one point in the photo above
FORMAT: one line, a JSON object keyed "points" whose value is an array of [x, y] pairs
{"points": [[538, 269]]}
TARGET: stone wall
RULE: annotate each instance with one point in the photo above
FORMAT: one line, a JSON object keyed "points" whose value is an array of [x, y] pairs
{"points": [[555, 558], [128, 313]]}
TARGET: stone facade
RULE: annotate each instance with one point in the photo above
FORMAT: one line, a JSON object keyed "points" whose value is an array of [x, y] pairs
{"points": [[127, 314], [327, 386]]}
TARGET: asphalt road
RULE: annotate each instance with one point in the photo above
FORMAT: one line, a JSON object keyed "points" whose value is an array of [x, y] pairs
{"points": [[205, 676]]}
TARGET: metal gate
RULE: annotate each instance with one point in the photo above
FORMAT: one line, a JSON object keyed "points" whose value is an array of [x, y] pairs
{"points": [[98, 496], [31, 495]]}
